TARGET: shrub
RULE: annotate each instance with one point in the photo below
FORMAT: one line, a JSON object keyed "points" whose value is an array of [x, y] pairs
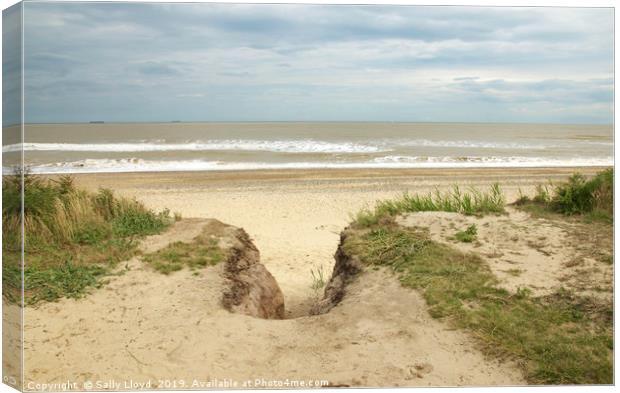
{"points": [[65, 184], [577, 196], [581, 196]]}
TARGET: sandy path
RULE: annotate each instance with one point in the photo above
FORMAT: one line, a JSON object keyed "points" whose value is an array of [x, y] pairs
{"points": [[144, 325], [291, 240]]}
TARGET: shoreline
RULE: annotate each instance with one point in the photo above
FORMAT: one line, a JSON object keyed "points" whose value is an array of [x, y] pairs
{"points": [[336, 173]]}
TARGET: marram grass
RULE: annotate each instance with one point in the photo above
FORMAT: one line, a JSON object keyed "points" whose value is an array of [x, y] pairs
{"points": [[470, 202], [72, 237]]}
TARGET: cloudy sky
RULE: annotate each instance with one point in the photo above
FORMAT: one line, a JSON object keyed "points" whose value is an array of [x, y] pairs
{"points": [[192, 62]]}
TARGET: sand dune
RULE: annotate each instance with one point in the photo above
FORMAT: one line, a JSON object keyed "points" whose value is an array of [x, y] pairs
{"points": [[154, 329], [147, 326]]}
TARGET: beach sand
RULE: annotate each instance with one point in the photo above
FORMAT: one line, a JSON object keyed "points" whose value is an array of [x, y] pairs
{"points": [[295, 217], [144, 325]]}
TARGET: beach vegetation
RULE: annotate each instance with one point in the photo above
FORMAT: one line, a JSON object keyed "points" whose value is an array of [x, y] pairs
{"points": [[71, 236], [557, 339], [470, 202], [591, 198], [580, 195], [514, 272], [202, 251], [318, 279], [468, 235], [543, 195]]}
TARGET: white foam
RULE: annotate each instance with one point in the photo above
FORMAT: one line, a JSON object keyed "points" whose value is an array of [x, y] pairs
{"points": [[139, 165], [279, 146], [293, 146], [477, 144]]}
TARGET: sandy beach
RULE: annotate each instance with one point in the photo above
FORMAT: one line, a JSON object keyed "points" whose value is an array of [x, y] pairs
{"points": [[146, 326], [295, 217]]}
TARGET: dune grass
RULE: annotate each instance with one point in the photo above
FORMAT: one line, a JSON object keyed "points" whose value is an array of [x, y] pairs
{"points": [[591, 199], [468, 235], [557, 339], [318, 280], [72, 237], [203, 251], [470, 202]]}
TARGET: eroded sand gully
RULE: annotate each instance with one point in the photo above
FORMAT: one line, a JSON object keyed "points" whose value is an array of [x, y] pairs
{"points": [[144, 325]]}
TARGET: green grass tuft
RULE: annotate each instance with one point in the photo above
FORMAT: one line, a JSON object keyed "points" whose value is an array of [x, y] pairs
{"points": [[471, 202], [139, 222], [318, 279], [201, 252], [468, 235]]}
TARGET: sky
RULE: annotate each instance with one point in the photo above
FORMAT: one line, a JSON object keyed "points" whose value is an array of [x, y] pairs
{"points": [[226, 62]]}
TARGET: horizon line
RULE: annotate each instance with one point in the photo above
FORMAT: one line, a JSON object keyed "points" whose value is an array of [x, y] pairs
{"points": [[99, 122]]}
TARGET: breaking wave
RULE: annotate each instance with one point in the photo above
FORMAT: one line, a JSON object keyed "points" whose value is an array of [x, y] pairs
{"points": [[141, 165], [277, 146]]}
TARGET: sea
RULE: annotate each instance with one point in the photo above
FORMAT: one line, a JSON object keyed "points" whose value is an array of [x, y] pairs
{"points": [[180, 146]]}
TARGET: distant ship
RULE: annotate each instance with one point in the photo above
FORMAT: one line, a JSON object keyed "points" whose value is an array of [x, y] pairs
{"points": [[97, 122], [175, 121]]}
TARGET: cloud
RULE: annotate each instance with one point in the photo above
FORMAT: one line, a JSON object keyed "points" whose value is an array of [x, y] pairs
{"points": [[191, 95], [11, 65], [141, 62], [155, 68]]}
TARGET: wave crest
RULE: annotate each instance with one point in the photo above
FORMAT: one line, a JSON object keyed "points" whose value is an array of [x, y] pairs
{"points": [[277, 146], [141, 165]]}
